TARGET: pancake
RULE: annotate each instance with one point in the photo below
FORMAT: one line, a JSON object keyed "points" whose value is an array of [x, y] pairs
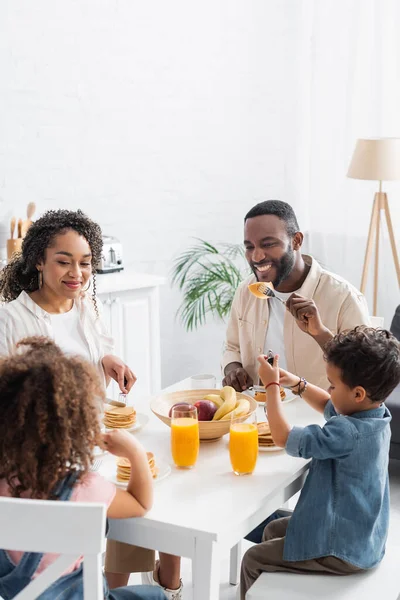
{"points": [[264, 435], [261, 396], [119, 417], [124, 468]]}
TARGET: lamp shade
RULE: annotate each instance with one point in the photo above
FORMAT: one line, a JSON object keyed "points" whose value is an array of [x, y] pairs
{"points": [[377, 159]]}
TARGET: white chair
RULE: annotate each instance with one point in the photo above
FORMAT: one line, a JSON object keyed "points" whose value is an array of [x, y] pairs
{"points": [[71, 529], [381, 582]]}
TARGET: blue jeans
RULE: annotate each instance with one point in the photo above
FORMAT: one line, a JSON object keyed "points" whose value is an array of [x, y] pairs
{"points": [[137, 592]]}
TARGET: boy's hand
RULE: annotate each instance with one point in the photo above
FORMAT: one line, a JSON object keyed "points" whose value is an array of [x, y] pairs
{"points": [[120, 443], [287, 379], [268, 373]]}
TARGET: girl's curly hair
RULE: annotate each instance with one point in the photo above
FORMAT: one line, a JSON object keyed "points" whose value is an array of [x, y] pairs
{"points": [[21, 273], [50, 417]]}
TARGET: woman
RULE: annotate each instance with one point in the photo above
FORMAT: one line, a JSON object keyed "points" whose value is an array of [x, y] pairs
{"points": [[45, 289]]}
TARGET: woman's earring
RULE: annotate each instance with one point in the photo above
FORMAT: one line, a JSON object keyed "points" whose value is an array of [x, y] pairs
{"points": [[40, 279]]}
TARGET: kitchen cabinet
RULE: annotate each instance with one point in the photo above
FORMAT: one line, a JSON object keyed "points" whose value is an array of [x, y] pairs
{"points": [[131, 312]]}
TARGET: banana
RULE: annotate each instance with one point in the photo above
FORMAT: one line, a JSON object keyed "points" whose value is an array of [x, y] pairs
{"points": [[228, 394], [241, 410], [214, 398]]}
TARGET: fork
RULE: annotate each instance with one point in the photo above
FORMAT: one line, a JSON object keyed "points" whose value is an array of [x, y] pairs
{"points": [[122, 400], [96, 464], [263, 288]]}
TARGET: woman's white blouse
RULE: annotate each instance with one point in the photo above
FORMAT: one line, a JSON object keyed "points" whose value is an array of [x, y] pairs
{"points": [[24, 318]]}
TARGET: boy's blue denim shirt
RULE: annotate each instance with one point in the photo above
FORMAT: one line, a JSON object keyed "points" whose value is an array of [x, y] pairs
{"points": [[343, 509]]}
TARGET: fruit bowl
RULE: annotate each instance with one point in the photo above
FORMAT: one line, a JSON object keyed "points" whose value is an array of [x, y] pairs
{"points": [[209, 430]]}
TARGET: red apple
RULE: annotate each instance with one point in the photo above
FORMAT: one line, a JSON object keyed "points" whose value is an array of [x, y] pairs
{"points": [[205, 410], [182, 405]]}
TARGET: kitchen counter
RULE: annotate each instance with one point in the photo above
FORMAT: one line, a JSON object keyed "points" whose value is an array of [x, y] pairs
{"points": [[128, 279]]}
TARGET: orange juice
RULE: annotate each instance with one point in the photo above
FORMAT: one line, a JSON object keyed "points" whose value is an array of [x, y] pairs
{"points": [[184, 441], [243, 447]]}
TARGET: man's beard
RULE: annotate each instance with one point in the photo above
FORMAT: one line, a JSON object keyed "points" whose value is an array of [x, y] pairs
{"points": [[283, 267]]}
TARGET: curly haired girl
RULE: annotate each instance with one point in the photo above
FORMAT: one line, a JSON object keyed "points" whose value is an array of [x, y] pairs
{"points": [[51, 400]]}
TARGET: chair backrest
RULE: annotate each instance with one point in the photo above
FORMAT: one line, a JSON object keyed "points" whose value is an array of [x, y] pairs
{"points": [[71, 529]]}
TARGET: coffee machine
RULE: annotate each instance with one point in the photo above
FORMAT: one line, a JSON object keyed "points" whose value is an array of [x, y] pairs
{"points": [[111, 256]]}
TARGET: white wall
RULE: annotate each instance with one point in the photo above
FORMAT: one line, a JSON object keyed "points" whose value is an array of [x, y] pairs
{"points": [[166, 120], [162, 120]]}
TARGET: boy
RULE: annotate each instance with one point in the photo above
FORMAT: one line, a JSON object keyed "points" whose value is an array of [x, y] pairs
{"points": [[340, 523]]}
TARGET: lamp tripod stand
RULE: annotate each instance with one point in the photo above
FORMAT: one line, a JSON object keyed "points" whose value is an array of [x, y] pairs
{"points": [[380, 204]]}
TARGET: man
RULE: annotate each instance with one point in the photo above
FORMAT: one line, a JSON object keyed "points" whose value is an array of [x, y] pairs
{"points": [[319, 304]]}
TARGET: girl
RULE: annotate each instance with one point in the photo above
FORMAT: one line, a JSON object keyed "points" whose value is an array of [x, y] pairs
{"points": [[48, 432]]}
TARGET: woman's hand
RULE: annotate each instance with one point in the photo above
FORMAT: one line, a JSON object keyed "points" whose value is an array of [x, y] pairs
{"points": [[115, 368]]}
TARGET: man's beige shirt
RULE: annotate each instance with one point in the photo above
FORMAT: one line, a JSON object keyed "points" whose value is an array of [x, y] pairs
{"points": [[340, 305]]}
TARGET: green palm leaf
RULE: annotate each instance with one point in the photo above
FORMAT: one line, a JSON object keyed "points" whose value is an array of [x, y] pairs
{"points": [[208, 277]]}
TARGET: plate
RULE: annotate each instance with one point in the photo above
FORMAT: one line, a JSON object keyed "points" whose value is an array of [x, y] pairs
{"points": [[164, 470], [289, 397], [270, 448], [141, 421]]}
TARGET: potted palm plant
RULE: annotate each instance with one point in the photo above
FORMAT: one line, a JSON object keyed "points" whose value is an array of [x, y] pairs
{"points": [[208, 276]]}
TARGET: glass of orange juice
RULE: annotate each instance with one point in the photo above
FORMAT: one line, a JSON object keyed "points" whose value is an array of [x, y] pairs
{"points": [[243, 444], [184, 436]]}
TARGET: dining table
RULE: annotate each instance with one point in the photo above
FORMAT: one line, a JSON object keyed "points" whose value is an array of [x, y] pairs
{"points": [[203, 513]]}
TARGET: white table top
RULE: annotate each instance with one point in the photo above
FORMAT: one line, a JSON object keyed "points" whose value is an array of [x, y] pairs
{"points": [[207, 497]]}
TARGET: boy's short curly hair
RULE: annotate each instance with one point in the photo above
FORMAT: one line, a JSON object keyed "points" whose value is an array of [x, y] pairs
{"points": [[49, 422], [366, 357]]}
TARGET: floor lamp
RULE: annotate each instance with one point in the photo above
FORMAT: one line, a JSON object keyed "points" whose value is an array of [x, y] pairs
{"points": [[378, 160]]}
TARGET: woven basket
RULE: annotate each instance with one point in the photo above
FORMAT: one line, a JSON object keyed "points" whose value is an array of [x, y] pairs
{"points": [[209, 430]]}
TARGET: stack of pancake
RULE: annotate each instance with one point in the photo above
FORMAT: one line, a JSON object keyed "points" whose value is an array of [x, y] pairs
{"points": [[264, 435], [124, 468], [119, 417], [261, 396]]}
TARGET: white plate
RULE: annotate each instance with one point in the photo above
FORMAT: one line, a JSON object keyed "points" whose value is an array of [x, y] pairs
{"points": [[141, 421], [163, 471], [269, 449], [289, 397]]}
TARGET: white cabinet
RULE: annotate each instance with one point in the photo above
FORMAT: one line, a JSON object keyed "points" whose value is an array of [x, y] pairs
{"points": [[131, 312]]}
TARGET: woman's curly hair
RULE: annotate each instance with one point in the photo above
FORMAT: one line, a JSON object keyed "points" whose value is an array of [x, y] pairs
{"points": [[49, 422], [21, 273]]}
